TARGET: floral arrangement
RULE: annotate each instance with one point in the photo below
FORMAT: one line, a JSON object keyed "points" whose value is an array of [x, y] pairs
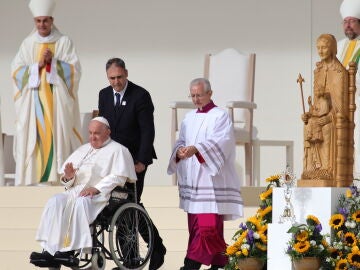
{"points": [[307, 240], [344, 251], [251, 238]]}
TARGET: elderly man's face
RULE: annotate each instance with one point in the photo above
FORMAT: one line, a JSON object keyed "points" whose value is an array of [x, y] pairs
{"points": [[98, 134], [43, 25], [198, 95], [351, 27]]}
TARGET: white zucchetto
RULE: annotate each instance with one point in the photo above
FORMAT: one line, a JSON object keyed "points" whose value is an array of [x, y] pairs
{"points": [[350, 8], [101, 120], [42, 7]]}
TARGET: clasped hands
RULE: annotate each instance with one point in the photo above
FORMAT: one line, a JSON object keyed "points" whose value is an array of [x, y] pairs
{"points": [[69, 173], [186, 152], [46, 58]]}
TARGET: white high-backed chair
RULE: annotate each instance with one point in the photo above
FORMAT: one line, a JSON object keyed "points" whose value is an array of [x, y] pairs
{"points": [[231, 75]]}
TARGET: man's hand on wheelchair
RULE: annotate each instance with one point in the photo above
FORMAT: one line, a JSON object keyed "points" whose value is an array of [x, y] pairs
{"points": [[89, 191]]}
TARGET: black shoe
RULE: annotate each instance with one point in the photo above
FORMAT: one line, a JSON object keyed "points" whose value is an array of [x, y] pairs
{"points": [[157, 258], [44, 259], [66, 258], [190, 264], [215, 267]]}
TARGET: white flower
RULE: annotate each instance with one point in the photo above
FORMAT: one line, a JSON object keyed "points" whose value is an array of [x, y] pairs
{"points": [[245, 246], [313, 242], [256, 235], [353, 224]]}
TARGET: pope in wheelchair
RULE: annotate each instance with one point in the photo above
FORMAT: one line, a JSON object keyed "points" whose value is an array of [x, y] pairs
{"points": [[74, 221]]}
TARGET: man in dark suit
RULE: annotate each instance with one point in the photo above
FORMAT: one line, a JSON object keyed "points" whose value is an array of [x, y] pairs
{"points": [[129, 110]]}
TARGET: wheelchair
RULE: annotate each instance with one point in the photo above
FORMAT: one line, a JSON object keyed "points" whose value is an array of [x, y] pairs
{"points": [[122, 232]]}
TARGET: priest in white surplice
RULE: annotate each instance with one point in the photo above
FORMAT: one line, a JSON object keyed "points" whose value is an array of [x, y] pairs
{"points": [[209, 187], [46, 73], [89, 176]]}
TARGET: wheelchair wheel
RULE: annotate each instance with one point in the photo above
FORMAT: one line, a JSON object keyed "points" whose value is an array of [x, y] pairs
{"points": [[131, 237]]}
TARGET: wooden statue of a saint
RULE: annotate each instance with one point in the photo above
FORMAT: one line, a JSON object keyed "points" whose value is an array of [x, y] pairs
{"points": [[329, 123]]}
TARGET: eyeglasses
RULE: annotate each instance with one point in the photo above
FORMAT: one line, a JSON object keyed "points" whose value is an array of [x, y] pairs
{"points": [[194, 96], [351, 21]]}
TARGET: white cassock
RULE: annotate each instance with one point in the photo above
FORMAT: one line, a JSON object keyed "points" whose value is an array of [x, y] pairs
{"points": [[47, 107], [342, 46], [212, 186], [67, 215]]}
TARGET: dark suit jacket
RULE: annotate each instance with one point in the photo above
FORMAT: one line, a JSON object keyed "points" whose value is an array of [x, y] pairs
{"points": [[133, 124]]}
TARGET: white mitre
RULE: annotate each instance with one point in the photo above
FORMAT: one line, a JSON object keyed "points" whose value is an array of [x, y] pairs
{"points": [[42, 7], [350, 8]]}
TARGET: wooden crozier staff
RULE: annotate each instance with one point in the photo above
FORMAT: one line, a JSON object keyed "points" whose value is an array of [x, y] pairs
{"points": [[300, 80]]}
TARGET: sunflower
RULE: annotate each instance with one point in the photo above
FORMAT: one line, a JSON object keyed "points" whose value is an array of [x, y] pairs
{"points": [[350, 239], [354, 259], [273, 178], [356, 216], [336, 221], [334, 253], [265, 194], [302, 247], [341, 265], [302, 236], [313, 219]]}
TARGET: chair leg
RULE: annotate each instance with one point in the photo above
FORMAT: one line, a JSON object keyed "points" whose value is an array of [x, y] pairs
{"points": [[248, 164]]}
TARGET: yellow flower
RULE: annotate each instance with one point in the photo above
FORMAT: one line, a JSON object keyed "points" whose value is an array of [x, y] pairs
{"points": [[256, 222], [260, 246], [231, 250], [238, 253], [265, 194], [348, 193], [245, 252], [339, 234], [272, 178], [263, 238], [355, 249], [350, 239], [265, 211], [324, 243], [302, 236], [314, 219], [354, 259], [356, 216], [302, 247], [341, 265], [336, 221]]}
